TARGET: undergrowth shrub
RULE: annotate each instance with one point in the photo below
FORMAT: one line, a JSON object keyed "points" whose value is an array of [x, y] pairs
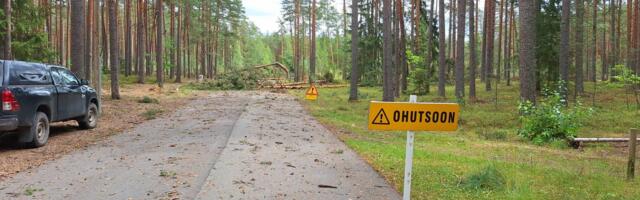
{"points": [[329, 77], [488, 178], [550, 120], [147, 99]]}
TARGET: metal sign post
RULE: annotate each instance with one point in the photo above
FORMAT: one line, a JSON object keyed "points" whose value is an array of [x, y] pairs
{"points": [[408, 160]]}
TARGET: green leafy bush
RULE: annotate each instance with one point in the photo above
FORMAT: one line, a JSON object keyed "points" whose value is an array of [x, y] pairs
{"points": [[625, 75], [329, 77], [489, 178], [418, 76], [551, 120]]}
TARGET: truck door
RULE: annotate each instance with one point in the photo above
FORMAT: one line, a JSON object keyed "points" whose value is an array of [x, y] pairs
{"points": [[71, 100]]}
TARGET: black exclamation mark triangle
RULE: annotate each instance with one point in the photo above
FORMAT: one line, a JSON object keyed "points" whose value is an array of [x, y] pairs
{"points": [[381, 118]]}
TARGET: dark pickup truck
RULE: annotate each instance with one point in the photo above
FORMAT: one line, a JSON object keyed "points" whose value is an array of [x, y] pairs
{"points": [[33, 95]]}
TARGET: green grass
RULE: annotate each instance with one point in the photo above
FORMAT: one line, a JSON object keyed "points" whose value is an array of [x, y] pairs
{"points": [[29, 191], [147, 99], [151, 113], [168, 174], [487, 137]]}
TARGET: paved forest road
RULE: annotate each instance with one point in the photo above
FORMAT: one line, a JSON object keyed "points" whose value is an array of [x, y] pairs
{"points": [[228, 145]]}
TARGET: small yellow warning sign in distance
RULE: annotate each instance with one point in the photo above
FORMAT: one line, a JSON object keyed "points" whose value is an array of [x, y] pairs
{"points": [[403, 116], [312, 93]]}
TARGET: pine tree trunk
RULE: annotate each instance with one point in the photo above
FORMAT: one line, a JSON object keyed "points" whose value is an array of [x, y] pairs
{"points": [[312, 59], [88, 57], [442, 56], [97, 68], [78, 34], [483, 53], [459, 71], [630, 31], [159, 43], [141, 41], [387, 45], [127, 39], [6, 54], [509, 45], [114, 48], [60, 33], [500, 37], [613, 58], [489, 32], [172, 33], [353, 92], [579, 63], [400, 49], [179, 47], [603, 50], [636, 37], [296, 44], [527, 50], [105, 36], [564, 48], [473, 51]]}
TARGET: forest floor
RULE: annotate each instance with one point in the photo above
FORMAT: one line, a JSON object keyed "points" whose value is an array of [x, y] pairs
{"points": [[116, 116], [487, 139]]}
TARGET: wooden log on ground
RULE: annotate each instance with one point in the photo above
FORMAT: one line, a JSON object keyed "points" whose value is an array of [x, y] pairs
{"points": [[577, 142], [601, 139]]}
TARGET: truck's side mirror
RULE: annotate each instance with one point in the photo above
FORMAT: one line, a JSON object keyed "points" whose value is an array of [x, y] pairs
{"points": [[84, 82]]}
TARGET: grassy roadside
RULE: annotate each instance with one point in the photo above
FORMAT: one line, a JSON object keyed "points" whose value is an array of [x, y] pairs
{"points": [[444, 162]]}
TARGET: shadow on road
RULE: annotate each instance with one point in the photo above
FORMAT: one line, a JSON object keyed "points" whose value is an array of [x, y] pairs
{"points": [[9, 141]]}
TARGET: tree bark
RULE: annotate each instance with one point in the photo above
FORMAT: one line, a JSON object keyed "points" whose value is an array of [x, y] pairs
{"points": [[631, 29], [88, 56], [489, 32], [509, 45], [459, 72], [7, 36], [387, 55], [353, 92], [113, 40], [564, 48], [141, 41], [401, 58], [603, 51], [296, 43], [78, 33], [500, 37], [614, 37], [579, 62], [159, 43], [95, 50], [179, 48], [312, 59], [442, 58], [172, 33], [127, 38], [473, 51], [527, 50]]}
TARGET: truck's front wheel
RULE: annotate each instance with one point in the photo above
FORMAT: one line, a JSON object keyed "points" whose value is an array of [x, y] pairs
{"points": [[89, 120]]}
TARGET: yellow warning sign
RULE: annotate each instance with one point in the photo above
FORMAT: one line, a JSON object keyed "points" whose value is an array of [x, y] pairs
{"points": [[312, 93], [402, 116]]}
